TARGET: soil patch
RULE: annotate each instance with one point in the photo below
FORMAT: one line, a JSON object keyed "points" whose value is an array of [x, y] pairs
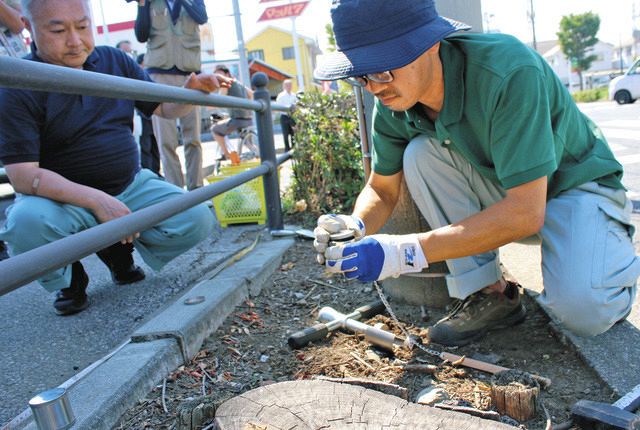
{"points": [[250, 349]]}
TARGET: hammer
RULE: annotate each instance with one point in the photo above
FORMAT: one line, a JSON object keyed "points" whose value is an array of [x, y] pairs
{"points": [[319, 331], [596, 415]]}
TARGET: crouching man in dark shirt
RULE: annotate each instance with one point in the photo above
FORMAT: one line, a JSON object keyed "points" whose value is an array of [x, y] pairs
{"points": [[74, 163]]}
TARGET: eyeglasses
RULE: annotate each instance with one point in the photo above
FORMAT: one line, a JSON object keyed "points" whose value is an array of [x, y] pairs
{"points": [[363, 81]]}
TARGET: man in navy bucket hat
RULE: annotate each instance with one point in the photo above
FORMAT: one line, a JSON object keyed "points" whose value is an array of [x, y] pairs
{"points": [[493, 150]]}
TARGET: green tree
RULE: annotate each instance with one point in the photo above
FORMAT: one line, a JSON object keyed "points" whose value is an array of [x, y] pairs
{"points": [[577, 36], [331, 37]]}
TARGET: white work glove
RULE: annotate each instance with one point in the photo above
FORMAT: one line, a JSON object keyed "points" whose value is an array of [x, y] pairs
{"points": [[331, 224], [377, 257]]}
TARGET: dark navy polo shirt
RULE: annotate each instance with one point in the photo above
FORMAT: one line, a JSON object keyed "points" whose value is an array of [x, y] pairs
{"points": [[87, 140]]}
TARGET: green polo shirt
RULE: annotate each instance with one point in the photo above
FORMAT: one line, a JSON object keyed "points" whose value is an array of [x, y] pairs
{"points": [[508, 114]]}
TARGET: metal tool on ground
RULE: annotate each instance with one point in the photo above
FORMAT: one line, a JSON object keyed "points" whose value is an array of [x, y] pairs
{"points": [[588, 414], [458, 360], [373, 334], [321, 330]]}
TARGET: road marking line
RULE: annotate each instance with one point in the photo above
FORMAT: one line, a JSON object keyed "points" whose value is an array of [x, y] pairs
{"points": [[618, 133], [617, 146], [619, 123], [629, 159]]}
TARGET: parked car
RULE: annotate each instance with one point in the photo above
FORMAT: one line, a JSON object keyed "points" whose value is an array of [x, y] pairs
{"points": [[626, 88]]}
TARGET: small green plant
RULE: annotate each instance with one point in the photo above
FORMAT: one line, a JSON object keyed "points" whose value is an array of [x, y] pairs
{"points": [[327, 168], [592, 95]]}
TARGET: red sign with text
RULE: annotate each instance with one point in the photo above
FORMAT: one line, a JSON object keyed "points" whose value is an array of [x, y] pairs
{"points": [[283, 11]]}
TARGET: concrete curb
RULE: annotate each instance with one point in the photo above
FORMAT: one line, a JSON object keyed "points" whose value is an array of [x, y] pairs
{"points": [[170, 339]]}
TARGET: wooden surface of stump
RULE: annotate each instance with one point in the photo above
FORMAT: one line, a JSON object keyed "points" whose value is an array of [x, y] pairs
{"points": [[515, 393], [312, 404]]}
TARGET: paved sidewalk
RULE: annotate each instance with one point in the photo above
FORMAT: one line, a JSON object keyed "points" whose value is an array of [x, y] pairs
{"points": [[102, 392], [612, 355]]}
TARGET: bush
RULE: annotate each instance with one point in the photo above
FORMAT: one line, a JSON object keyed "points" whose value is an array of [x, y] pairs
{"points": [[327, 168], [593, 95]]}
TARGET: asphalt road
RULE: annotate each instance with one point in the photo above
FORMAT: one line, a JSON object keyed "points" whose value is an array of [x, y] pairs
{"points": [[40, 350], [621, 125]]}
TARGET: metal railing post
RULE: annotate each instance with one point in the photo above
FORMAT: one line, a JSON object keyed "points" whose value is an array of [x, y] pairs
{"points": [[264, 125], [364, 131]]}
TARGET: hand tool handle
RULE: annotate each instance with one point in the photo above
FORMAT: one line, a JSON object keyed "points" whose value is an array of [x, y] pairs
{"points": [[488, 367], [470, 362], [630, 401], [310, 334], [320, 331], [370, 310]]}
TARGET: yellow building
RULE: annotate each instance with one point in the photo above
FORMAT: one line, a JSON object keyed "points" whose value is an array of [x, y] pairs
{"points": [[275, 46]]}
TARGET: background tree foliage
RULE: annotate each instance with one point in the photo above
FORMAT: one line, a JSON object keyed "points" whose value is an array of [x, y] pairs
{"points": [[577, 36], [327, 168], [331, 38]]}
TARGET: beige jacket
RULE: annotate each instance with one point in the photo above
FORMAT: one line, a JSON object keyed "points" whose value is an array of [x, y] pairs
{"points": [[172, 45]]}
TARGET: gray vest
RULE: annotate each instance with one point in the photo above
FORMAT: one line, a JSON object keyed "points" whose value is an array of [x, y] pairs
{"points": [[172, 45], [237, 90]]}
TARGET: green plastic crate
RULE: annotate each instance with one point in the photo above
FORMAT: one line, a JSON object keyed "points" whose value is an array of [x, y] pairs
{"points": [[243, 204]]}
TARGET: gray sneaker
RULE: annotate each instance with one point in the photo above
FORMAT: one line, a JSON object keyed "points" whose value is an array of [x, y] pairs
{"points": [[473, 317]]}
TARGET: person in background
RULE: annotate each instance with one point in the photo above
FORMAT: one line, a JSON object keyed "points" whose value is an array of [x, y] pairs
{"points": [[493, 150], [238, 118], [11, 26], [149, 153], [171, 30], [11, 44], [80, 166], [142, 125], [287, 98], [329, 87], [125, 45]]}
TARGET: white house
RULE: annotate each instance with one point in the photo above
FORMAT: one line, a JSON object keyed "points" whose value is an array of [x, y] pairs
{"points": [[598, 73], [626, 52]]}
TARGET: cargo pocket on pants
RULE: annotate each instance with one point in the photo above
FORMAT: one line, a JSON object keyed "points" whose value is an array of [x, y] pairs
{"points": [[615, 263]]}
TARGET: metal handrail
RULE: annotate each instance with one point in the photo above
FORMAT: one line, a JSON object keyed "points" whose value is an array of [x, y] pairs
{"points": [[15, 73], [24, 268], [18, 73]]}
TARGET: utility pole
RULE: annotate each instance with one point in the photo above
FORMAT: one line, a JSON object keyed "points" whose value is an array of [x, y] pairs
{"points": [[620, 52], [242, 55], [532, 17], [105, 27], [296, 54], [487, 22]]}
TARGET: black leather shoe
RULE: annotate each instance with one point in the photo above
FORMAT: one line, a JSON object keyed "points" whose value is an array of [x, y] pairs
{"points": [[73, 299], [119, 260]]}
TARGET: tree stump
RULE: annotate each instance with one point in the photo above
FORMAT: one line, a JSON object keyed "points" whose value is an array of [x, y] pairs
{"points": [[432, 292], [310, 404], [515, 393]]}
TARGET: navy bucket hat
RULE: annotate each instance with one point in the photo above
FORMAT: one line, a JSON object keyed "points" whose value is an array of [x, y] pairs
{"points": [[378, 35]]}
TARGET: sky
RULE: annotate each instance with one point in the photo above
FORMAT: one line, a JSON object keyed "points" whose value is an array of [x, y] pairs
{"points": [[510, 16], [507, 16]]}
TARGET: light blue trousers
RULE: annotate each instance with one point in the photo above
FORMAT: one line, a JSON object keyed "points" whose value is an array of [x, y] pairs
{"points": [[34, 221], [589, 266]]}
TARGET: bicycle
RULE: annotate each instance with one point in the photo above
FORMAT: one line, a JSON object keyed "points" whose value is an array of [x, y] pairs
{"points": [[247, 145], [249, 141], [248, 137]]}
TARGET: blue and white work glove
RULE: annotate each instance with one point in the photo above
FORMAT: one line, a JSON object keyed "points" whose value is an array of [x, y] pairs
{"points": [[377, 257], [350, 227]]}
